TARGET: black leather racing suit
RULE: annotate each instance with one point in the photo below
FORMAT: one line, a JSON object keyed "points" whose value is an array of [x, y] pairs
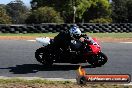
{"points": [[63, 39]]}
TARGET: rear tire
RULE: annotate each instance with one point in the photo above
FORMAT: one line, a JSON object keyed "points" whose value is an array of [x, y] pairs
{"points": [[43, 56]]}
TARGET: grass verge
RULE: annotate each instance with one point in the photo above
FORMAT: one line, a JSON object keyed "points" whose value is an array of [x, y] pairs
{"points": [[20, 83], [100, 35]]}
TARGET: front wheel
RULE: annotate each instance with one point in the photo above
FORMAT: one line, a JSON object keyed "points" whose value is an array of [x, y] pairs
{"points": [[43, 56], [98, 60]]}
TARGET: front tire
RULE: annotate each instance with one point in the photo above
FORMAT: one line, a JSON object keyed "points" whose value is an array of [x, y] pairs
{"points": [[43, 56], [98, 60]]}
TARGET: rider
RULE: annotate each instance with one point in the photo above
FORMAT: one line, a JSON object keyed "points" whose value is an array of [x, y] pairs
{"points": [[75, 32], [63, 39]]}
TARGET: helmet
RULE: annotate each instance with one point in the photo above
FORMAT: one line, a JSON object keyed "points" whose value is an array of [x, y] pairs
{"points": [[75, 31]]}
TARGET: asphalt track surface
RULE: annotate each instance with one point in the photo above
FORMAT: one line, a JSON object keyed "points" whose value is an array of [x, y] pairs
{"points": [[17, 60]]}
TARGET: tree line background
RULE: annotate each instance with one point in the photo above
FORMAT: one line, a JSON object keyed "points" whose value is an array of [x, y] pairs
{"points": [[66, 11]]}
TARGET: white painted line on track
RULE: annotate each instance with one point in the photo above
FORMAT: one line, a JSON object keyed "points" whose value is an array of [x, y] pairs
{"points": [[34, 78], [129, 84], [31, 40], [60, 79]]}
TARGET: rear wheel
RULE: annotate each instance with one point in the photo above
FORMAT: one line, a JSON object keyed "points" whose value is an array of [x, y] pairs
{"points": [[43, 56], [98, 60]]}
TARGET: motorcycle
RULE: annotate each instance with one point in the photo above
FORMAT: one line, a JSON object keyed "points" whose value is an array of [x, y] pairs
{"points": [[86, 51]]}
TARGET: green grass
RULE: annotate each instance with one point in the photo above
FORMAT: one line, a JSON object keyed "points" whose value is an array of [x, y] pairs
{"points": [[13, 82], [112, 35], [30, 34], [100, 35]]}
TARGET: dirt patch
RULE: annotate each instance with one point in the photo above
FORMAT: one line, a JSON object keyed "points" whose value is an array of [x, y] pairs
{"points": [[115, 39], [105, 39], [17, 37]]}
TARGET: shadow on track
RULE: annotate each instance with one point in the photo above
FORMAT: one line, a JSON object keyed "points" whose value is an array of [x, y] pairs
{"points": [[34, 68]]}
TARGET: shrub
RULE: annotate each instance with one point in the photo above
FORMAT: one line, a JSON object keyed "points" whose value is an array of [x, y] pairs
{"points": [[44, 15], [4, 18], [101, 20]]}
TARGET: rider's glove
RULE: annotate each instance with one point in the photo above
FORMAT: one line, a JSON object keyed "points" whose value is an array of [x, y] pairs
{"points": [[83, 35]]}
